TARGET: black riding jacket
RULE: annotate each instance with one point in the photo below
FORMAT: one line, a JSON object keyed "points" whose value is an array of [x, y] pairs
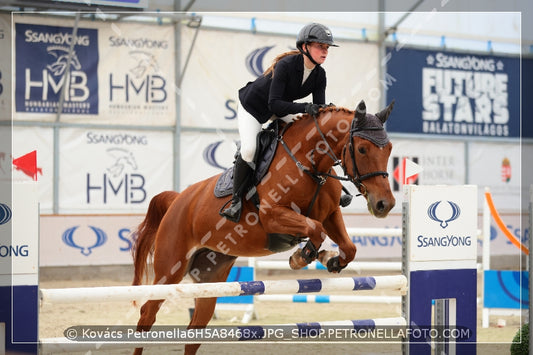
{"points": [[267, 95]]}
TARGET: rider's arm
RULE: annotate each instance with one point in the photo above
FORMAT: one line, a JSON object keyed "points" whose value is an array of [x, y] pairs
{"points": [[277, 101]]}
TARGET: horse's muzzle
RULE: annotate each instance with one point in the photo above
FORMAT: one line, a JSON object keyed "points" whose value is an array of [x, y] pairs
{"points": [[381, 207]]}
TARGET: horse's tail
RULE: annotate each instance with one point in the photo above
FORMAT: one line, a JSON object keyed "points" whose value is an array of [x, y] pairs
{"points": [[143, 249]]}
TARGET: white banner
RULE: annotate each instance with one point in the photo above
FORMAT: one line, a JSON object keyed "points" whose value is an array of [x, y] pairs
{"points": [[204, 155], [19, 233], [224, 61], [136, 74], [5, 67], [87, 240], [442, 223], [498, 167], [40, 140], [113, 170], [119, 72]]}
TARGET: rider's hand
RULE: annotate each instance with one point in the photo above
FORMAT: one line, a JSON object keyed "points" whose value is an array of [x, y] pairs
{"points": [[311, 109]]}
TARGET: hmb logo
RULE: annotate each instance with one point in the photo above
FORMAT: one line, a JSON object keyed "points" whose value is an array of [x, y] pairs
{"points": [[116, 181], [142, 81], [39, 83]]}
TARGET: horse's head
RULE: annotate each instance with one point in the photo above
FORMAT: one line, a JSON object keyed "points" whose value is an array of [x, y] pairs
{"points": [[365, 159]]}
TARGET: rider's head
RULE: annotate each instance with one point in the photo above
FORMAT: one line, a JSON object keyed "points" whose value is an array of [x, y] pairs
{"points": [[314, 33]]}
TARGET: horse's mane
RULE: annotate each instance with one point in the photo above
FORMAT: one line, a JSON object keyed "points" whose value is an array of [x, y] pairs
{"points": [[323, 110]]}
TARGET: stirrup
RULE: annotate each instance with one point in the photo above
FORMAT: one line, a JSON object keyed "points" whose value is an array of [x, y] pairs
{"points": [[233, 212]]}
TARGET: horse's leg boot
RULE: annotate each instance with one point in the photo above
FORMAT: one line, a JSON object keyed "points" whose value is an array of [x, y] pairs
{"points": [[242, 173]]}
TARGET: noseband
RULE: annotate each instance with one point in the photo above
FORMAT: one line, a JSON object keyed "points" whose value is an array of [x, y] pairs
{"points": [[356, 177]]}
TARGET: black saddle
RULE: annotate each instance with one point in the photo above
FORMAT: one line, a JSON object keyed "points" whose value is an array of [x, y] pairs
{"points": [[266, 149]]}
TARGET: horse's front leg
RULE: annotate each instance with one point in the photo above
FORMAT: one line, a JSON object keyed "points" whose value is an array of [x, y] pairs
{"points": [[284, 220], [336, 230]]}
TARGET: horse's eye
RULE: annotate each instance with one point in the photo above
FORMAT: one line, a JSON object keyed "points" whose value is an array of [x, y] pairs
{"points": [[362, 150]]}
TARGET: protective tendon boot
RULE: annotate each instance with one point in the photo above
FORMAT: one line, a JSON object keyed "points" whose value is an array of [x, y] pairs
{"points": [[242, 173]]}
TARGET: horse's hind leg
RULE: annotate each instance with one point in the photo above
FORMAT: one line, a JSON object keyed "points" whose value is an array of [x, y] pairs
{"points": [[207, 266], [169, 268]]}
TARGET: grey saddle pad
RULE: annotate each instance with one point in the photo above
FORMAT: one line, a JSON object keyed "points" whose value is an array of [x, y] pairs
{"points": [[266, 149]]}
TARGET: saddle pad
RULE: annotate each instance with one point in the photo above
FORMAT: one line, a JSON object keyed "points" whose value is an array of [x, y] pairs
{"points": [[266, 149]]}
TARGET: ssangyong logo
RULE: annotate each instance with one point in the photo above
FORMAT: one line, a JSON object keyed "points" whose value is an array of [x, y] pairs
{"points": [[68, 239], [254, 60], [444, 215], [5, 213]]}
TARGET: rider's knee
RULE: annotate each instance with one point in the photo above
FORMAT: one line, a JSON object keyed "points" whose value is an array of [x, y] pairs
{"points": [[248, 155]]}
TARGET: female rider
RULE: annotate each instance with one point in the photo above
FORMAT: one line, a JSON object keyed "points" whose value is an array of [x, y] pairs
{"points": [[293, 75]]}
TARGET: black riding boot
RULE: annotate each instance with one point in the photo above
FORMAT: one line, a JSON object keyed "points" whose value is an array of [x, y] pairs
{"points": [[242, 173]]}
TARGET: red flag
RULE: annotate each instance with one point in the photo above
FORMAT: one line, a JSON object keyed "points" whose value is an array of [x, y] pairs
{"points": [[28, 164], [407, 172]]}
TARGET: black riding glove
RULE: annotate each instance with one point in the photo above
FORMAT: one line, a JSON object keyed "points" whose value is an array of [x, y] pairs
{"points": [[312, 109]]}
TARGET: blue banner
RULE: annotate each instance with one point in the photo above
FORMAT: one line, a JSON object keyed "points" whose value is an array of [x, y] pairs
{"points": [[506, 289], [41, 63], [453, 94]]}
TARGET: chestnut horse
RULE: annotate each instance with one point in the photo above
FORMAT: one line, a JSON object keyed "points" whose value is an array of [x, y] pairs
{"points": [[299, 200]]}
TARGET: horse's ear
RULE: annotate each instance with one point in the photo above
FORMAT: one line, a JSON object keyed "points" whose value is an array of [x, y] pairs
{"points": [[360, 112], [383, 115]]}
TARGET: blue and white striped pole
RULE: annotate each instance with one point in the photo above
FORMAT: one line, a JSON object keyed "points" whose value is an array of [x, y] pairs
{"points": [[222, 289]]}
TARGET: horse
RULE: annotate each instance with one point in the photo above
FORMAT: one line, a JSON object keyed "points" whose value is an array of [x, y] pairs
{"points": [[298, 201]]}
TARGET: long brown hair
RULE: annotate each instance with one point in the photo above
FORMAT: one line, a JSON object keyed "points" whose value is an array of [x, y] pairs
{"points": [[277, 59]]}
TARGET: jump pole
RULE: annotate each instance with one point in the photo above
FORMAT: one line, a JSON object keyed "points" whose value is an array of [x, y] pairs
{"points": [[221, 289], [439, 259]]}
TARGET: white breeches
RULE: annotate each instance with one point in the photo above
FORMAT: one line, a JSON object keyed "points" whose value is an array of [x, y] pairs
{"points": [[249, 127]]}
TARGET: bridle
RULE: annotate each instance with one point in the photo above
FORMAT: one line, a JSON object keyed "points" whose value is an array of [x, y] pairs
{"points": [[356, 178]]}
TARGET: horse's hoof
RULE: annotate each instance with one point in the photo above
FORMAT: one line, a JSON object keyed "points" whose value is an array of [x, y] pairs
{"points": [[295, 265], [296, 262], [334, 265], [325, 255]]}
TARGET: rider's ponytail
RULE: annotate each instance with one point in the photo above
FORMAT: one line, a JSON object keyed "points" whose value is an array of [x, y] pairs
{"points": [[277, 59]]}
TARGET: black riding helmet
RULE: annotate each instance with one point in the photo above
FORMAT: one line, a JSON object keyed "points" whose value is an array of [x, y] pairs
{"points": [[314, 32]]}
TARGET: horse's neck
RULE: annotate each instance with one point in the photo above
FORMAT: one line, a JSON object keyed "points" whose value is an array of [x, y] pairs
{"points": [[334, 127]]}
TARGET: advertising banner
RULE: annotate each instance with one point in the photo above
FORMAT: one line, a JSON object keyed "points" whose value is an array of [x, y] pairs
{"points": [[443, 223], [454, 94], [19, 233], [41, 58], [117, 73], [506, 289], [87, 240], [497, 166], [136, 74], [205, 154], [224, 61], [113, 171]]}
